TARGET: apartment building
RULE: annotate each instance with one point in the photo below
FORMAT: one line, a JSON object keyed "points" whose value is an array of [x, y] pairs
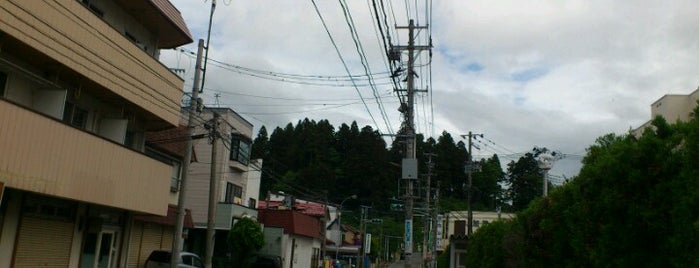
{"points": [[672, 107], [237, 176], [80, 85]]}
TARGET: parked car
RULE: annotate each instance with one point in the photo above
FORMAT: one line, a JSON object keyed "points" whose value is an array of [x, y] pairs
{"points": [[161, 259], [267, 261]]}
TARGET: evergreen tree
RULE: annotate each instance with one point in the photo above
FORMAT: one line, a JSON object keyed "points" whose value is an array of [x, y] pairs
{"points": [[524, 179], [260, 146]]}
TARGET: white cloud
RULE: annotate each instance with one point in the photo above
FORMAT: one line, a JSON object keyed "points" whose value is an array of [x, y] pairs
{"points": [[525, 73]]}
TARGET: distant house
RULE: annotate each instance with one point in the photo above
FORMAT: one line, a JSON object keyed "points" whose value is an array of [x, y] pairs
{"points": [[292, 235], [345, 243], [672, 107], [455, 230]]}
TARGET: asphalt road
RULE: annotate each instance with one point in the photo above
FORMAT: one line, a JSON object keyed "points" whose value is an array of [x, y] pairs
{"points": [[415, 261]]}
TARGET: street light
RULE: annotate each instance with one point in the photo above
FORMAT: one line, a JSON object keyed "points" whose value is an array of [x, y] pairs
{"points": [[339, 223]]}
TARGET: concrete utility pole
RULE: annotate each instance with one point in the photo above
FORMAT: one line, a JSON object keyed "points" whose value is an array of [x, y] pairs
{"points": [[470, 167], [213, 194], [362, 227], [435, 225], [177, 241], [426, 245], [410, 161]]}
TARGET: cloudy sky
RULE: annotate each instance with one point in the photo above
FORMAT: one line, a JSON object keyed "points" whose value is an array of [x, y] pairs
{"points": [[554, 74]]}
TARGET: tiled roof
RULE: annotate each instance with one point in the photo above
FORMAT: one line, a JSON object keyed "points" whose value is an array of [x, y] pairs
{"points": [[293, 222], [308, 208]]}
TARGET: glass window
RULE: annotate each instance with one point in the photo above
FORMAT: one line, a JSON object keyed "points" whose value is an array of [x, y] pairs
{"points": [[175, 180], [3, 82], [74, 115], [460, 227], [240, 149], [234, 193]]}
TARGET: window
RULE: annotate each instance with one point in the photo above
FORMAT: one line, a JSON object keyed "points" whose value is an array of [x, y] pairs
{"points": [[49, 208], [74, 115], [3, 82], [234, 193], [240, 149], [176, 167], [175, 179], [93, 8], [476, 223], [136, 42], [252, 203], [460, 227]]}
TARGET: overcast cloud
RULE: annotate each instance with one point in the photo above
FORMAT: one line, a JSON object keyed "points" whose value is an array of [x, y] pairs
{"points": [[555, 74]]}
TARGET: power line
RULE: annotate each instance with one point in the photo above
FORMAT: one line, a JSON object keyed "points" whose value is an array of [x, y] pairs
{"points": [[362, 56], [332, 40]]}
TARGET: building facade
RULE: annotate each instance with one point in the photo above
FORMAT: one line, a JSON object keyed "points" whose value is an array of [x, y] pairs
{"points": [[294, 236], [237, 176], [672, 107], [454, 232], [80, 85]]}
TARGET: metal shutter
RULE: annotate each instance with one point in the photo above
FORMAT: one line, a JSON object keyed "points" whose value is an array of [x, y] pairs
{"points": [[135, 246], [43, 243]]}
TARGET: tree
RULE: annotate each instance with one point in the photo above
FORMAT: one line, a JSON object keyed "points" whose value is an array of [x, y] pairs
{"points": [[632, 205], [486, 184], [260, 146], [245, 239], [524, 179]]}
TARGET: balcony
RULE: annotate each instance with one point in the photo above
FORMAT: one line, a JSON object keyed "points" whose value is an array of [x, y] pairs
{"points": [[43, 155], [226, 212], [67, 41]]}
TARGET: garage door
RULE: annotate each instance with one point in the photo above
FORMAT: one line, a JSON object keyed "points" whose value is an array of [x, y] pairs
{"points": [[51, 238]]}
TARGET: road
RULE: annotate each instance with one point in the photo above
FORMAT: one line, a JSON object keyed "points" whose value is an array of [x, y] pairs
{"points": [[416, 261]]}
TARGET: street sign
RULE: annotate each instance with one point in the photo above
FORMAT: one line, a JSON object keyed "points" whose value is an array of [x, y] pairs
{"points": [[367, 244], [408, 236], [440, 218]]}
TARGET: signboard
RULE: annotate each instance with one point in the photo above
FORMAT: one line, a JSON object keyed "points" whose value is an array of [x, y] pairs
{"points": [[409, 168], [440, 229], [408, 236], [367, 244]]}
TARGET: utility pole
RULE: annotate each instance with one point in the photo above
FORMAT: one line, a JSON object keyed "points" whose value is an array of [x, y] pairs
{"points": [[426, 245], [213, 194], [470, 167], [435, 225], [362, 227], [409, 164], [177, 241]]}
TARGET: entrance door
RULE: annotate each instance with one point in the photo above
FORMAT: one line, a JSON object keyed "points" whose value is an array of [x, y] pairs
{"points": [[100, 250], [107, 250]]}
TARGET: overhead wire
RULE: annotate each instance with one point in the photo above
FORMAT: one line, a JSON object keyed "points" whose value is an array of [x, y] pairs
{"points": [[332, 40], [365, 64]]}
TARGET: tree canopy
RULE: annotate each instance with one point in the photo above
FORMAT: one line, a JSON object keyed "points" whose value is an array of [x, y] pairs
{"points": [[634, 204]]}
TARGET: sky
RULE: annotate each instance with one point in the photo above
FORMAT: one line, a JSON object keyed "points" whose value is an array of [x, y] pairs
{"points": [[554, 74]]}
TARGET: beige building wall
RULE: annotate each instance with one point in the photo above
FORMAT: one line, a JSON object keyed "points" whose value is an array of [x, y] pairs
{"points": [[45, 156], [69, 33], [227, 171], [480, 218], [672, 107]]}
